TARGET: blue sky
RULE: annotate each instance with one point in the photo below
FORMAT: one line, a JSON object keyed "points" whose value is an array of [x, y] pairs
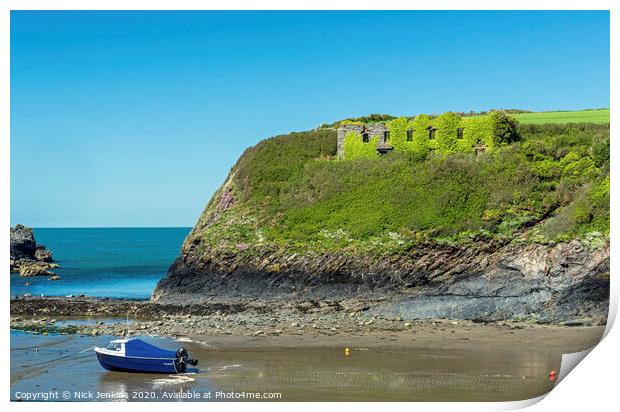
{"points": [[135, 118]]}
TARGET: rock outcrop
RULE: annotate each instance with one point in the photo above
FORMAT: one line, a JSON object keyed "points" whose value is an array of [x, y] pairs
{"points": [[34, 269], [23, 244], [28, 258], [484, 282]]}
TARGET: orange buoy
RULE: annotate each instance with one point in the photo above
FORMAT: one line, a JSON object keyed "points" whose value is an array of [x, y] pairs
{"points": [[552, 375]]}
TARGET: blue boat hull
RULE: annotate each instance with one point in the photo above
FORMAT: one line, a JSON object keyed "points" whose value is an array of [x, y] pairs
{"points": [[134, 364]]}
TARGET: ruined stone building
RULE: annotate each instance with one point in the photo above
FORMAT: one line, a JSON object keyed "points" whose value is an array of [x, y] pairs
{"points": [[446, 133]]}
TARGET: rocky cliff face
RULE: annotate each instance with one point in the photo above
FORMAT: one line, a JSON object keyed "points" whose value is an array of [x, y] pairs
{"points": [[566, 282], [29, 258], [291, 225]]}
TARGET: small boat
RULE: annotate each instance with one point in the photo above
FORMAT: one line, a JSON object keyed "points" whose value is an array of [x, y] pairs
{"points": [[135, 355]]}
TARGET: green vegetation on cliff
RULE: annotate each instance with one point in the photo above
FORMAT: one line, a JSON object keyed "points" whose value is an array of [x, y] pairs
{"points": [[290, 190]]}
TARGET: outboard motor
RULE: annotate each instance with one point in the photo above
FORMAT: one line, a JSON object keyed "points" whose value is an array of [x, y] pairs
{"points": [[184, 359]]}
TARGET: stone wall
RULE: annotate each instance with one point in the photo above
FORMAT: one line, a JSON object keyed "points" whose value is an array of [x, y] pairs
{"points": [[373, 129]]}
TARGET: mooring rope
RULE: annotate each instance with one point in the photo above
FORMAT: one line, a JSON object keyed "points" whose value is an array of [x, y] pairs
{"points": [[59, 358]]}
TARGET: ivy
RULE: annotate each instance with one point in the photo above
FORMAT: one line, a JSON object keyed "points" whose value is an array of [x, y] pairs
{"points": [[447, 125], [355, 148], [398, 134], [421, 141], [477, 130], [412, 135]]}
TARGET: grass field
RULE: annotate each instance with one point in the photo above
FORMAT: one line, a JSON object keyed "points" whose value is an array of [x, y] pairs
{"points": [[581, 116]]}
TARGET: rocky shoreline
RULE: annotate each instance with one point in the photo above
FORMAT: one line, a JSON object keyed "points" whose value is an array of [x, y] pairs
{"points": [[487, 281], [29, 258], [242, 319]]}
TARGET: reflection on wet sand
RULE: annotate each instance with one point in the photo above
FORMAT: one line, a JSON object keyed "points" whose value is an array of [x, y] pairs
{"points": [[148, 387], [324, 374], [45, 363]]}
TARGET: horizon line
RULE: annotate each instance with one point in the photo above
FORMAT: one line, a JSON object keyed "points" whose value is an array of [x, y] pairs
{"points": [[106, 227]]}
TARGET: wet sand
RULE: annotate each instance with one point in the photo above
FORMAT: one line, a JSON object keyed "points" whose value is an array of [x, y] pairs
{"points": [[444, 334], [431, 362], [296, 351]]}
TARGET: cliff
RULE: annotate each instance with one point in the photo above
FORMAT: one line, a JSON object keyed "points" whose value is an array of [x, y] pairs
{"points": [[520, 232]]}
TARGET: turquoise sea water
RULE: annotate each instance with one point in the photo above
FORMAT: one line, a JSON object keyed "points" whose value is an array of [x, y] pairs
{"points": [[104, 262]]}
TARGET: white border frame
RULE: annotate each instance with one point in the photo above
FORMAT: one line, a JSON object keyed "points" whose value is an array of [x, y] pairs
{"points": [[591, 387]]}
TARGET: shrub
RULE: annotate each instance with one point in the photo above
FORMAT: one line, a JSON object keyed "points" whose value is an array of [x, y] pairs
{"points": [[588, 212], [264, 169], [600, 152], [371, 118], [505, 128], [556, 178]]}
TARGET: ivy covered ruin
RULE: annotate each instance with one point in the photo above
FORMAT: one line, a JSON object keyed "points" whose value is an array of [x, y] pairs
{"points": [[444, 134]]}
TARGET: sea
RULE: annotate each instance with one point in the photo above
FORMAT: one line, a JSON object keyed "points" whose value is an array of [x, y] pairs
{"points": [[104, 262]]}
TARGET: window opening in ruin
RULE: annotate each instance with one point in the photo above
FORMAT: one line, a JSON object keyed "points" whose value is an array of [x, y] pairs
{"points": [[431, 132]]}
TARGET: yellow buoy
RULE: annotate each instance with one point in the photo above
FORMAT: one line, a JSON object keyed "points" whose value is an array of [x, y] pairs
{"points": [[347, 351]]}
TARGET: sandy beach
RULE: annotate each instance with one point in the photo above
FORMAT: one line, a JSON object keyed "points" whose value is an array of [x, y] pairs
{"points": [[428, 361]]}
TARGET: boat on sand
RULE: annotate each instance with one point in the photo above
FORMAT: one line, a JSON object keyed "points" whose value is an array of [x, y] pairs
{"points": [[136, 355]]}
